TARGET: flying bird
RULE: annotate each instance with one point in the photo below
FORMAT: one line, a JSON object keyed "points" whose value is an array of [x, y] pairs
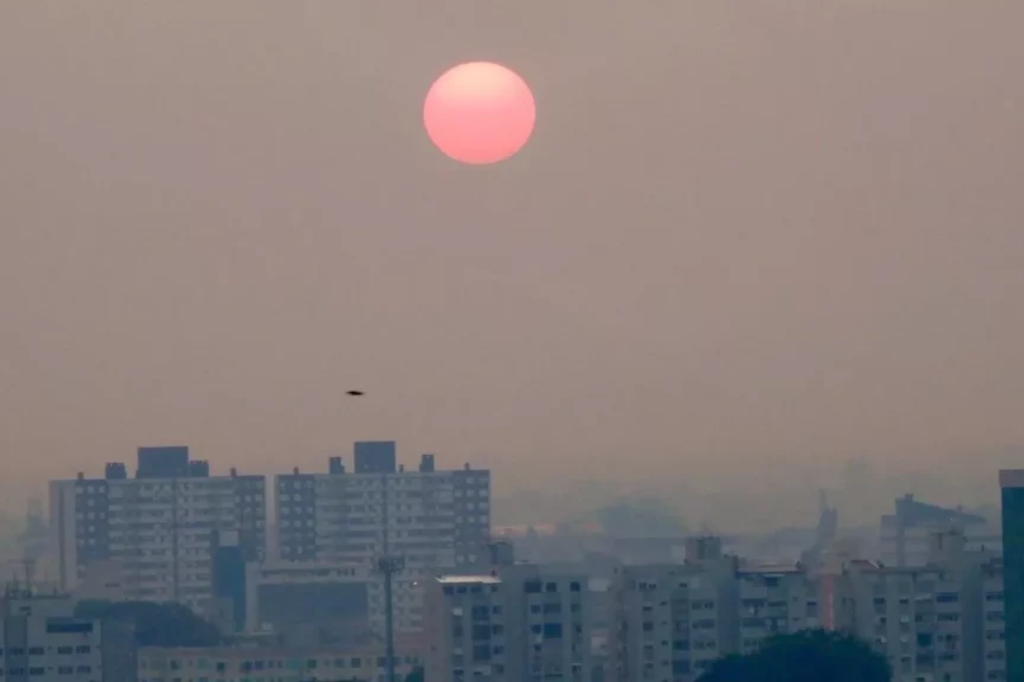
{"points": [[355, 393]]}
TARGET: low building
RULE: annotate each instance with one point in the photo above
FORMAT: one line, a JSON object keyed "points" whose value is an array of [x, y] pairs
{"points": [[42, 641], [304, 599]]}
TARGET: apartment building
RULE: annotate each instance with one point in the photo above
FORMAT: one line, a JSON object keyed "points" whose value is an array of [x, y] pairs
{"points": [[433, 520], [776, 601], [269, 664], [519, 624], [941, 622], [42, 641], [154, 534], [672, 621], [993, 622]]}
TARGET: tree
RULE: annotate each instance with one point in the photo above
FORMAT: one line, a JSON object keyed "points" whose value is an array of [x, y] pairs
{"points": [[165, 625], [807, 656], [415, 676]]}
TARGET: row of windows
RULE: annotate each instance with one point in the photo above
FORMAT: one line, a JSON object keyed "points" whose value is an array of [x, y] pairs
{"points": [[40, 651], [39, 672]]}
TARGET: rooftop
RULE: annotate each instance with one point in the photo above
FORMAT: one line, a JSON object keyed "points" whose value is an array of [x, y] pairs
{"points": [[468, 580]]}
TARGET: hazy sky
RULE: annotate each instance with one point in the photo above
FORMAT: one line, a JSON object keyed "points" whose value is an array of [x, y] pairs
{"points": [[747, 233]]}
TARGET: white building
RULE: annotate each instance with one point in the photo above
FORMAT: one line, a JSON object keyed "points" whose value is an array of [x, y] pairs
{"points": [[435, 521], [44, 642], [524, 623], [158, 531]]}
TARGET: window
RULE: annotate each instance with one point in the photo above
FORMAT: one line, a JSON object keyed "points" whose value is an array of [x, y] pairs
{"points": [[552, 630]]}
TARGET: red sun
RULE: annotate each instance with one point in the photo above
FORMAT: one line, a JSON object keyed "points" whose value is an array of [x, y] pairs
{"points": [[479, 113]]}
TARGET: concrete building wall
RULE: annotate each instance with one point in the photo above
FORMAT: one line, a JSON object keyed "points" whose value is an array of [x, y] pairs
{"points": [[159, 533], [269, 664], [436, 521], [525, 624], [43, 642]]}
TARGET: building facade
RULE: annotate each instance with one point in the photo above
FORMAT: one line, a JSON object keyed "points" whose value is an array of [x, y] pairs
{"points": [[1012, 484], [993, 622], [42, 641], [156, 534], [307, 600], [269, 664], [433, 520], [776, 601], [915, 617], [671, 622], [523, 623]]}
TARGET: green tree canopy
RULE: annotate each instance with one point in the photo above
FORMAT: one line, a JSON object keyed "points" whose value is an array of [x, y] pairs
{"points": [[165, 625], [808, 656]]}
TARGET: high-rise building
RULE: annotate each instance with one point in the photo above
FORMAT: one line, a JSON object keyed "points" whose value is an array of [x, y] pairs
{"points": [[433, 520], [156, 534], [43, 641], [519, 623], [1012, 483]]}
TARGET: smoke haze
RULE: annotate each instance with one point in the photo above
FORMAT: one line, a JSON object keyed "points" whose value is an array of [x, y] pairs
{"points": [[749, 242]]}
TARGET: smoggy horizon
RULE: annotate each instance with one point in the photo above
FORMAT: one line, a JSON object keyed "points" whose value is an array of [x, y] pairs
{"points": [[748, 243]]}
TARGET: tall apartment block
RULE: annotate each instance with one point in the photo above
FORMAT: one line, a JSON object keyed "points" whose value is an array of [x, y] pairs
{"points": [[434, 520], [153, 537], [518, 623], [1012, 483]]}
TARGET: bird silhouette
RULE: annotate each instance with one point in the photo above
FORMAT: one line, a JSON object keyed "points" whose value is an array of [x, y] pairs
{"points": [[355, 393]]}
